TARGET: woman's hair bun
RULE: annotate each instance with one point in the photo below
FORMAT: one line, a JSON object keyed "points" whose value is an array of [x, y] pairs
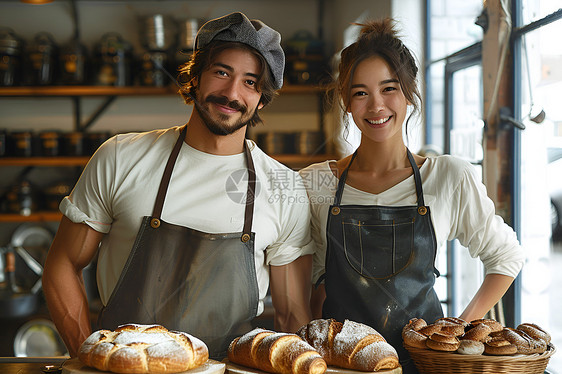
{"points": [[383, 27]]}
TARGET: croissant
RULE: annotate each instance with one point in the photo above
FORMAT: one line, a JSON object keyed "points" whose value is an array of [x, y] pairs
{"points": [[135, 348], [275, 352], [350, 345]]}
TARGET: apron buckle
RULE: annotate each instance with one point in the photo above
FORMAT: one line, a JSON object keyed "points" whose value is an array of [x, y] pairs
{"points": [[245, 238], [155, 223], [422, 211], [335, 211]]}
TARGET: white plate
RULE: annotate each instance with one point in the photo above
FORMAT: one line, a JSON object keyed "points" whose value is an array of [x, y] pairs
{"points": [[38, 338]]}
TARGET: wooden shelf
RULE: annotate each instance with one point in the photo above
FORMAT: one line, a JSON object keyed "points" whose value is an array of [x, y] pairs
{"points": [[66, 91], [34, 217], [44, 161], [294, 161], [303, 159], [82, 161]]}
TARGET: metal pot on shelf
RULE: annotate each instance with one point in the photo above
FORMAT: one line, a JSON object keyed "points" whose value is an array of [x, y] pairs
{"points": [[113, 56], [305, 60], [74, 68], [158, 36], [21, 198], [10, 57], [41, 59], [186, 41], [158, 32], [54, 194], [150, 69]]}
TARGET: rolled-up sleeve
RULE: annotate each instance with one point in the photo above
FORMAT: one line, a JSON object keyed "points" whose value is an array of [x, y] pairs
{"points": [[294, 239], [89, 201]]}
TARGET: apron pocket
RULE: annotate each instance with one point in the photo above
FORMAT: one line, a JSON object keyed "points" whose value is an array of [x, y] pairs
{"points": [[378, 248]]}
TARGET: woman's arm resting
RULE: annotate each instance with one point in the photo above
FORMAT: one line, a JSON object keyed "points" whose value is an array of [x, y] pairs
{"points": [[290, 294], [73, 248], [490, 292]]}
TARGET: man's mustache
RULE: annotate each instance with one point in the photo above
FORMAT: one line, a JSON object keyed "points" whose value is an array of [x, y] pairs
{"points": [[222, 100]]}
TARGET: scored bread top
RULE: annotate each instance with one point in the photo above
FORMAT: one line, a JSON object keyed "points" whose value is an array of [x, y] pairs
{"points": [[142, 348], [352, 338], [350, 345]]}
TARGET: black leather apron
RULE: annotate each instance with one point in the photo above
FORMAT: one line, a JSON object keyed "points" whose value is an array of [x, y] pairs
{"points": [[187, 280], [380, 265]]}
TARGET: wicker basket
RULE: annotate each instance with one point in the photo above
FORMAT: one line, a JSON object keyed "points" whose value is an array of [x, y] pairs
{"points": [[430, 361]]}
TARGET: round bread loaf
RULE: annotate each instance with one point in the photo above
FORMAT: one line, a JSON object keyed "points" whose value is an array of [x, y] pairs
{"points": [[452, 328], [478, 333], [455, 320], [135, 348], [430, 329], [414, 324], [414, 338], [525, 344], [492, 324], [470, 347], [534, 331], [443, 342], [498, 346]]}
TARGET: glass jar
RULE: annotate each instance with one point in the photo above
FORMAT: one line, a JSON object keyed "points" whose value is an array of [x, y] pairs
{"points": [[73, 64], [41, 60]]}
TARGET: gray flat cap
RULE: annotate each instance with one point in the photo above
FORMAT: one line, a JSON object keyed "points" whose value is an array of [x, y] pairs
{"points": [[236, 27]]}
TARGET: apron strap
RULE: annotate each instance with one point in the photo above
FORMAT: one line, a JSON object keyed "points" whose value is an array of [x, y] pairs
{"points": [[341, 183], [250, 194], [417, 178], [159, 204]]}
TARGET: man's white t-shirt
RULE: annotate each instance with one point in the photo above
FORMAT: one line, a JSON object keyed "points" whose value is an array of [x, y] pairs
{"points": [[207, 193], [459, 205]]}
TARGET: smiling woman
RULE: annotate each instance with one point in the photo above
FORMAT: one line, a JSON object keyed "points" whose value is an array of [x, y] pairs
{"points": [[377, 103], [377, 242]]}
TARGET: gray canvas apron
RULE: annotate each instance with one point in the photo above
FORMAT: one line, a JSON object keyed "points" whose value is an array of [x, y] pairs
{"points": [[187, 280], [380, 265]]}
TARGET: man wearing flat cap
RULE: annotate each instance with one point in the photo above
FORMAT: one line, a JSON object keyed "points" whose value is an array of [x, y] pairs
{"points": [[192, 223]]}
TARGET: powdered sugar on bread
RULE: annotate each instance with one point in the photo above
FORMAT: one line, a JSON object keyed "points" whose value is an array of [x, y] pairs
{"points": [[143, 348], [352, 345]]}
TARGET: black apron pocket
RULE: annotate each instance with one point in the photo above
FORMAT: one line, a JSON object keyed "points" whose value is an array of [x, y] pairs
{"points": [[378, 249]]}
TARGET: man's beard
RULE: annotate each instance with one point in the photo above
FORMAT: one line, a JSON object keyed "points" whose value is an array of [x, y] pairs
{"points": [[220, 126]]}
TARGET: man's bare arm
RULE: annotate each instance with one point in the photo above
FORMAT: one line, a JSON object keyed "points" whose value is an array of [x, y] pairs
{"points": [[290, 294], [73, 247]]}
